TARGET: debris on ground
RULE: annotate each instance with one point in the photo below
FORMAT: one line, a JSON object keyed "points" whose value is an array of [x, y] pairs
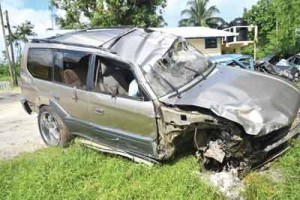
{"points": [[227, 182]]}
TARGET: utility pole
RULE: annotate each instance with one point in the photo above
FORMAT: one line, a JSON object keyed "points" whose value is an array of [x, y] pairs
{"points": [[6, 47], [15, 81], [52, 16]]}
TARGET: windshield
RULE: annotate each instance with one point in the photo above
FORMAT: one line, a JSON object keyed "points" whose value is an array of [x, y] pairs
{"points": [[180, 65]]}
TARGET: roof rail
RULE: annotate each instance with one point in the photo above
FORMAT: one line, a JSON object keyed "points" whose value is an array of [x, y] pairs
{"points": [[71, 44], [53, 41], [109, 27], [48, 40], [88, 29]]}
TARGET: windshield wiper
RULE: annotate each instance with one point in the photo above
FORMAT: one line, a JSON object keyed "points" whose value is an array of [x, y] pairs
{"points": [[196, 72], [167, 82]]}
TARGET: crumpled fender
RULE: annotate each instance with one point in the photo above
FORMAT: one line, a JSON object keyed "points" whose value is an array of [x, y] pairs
{"points": [[259, 102]]}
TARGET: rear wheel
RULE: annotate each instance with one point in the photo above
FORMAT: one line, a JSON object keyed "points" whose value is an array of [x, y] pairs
{"points": [[52, 129]]}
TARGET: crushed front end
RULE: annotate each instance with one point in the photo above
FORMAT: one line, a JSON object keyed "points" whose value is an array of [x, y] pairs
{"points": [[220, 144]]}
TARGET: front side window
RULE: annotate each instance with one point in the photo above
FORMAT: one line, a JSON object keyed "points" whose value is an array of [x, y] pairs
{"points": [[116, 78], [40, 63], [180, 65], [71, 68]]}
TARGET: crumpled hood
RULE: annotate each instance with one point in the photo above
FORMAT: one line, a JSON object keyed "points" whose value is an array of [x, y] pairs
{"points": [[258, 102]]}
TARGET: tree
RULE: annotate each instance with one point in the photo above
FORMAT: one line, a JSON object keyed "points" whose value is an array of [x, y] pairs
{"points": [[20, 34], [285, 39], [216, 22], [197, 13], [101, 13], [277, 21], [263, 15]]}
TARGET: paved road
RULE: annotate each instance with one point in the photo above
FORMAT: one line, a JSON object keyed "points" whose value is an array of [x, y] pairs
{"points": [[18, 130]]}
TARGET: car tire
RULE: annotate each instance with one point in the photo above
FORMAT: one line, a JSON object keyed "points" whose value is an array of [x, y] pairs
{"points": [[52, 128]]}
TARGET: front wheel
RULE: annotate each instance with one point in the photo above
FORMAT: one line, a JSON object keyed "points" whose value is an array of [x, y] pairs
{"points": [[52, 129]]}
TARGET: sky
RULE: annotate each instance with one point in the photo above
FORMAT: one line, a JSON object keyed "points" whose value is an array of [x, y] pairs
{"points": [[38, 13]]}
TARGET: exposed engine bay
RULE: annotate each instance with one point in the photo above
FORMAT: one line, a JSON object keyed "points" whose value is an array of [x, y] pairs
{"points": [[219, 143]]}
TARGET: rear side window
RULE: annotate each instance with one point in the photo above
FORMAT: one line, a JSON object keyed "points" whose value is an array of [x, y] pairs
{"points": [[71, 68], [40, 63]]}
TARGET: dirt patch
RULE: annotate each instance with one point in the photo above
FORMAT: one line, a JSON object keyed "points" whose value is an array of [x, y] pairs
{"points": [[18, 130]]}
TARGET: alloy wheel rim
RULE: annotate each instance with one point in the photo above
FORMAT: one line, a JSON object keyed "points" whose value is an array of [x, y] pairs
{"points": [[50, 129]]}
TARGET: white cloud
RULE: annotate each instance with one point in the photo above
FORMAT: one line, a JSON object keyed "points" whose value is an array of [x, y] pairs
{"points": [[18, 14]]}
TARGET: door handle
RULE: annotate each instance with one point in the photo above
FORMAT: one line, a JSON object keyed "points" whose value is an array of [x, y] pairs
{"points": [[99, 111]]}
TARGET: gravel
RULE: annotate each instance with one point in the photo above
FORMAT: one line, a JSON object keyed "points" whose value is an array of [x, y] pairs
{"points": [[18, 131]]}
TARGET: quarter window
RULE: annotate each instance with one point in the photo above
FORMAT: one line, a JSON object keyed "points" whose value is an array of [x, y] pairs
{"points": [[40, 63], [71, 68]]}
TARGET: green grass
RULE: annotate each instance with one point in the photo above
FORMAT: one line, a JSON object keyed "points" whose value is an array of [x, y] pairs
{"points": [[81, 173], [5, 78], [282, 181]]}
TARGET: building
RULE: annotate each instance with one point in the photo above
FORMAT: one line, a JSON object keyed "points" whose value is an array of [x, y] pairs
{"points": [[207, 40]]}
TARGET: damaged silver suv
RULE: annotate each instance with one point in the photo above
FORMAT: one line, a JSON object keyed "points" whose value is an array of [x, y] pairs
{"points": [[149, 95]]}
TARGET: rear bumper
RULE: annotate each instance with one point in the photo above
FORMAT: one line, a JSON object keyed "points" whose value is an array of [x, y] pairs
{"points": [[26, 106]]}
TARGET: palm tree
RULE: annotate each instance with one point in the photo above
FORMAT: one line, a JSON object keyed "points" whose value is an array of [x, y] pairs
{"points": [[197, 13]]}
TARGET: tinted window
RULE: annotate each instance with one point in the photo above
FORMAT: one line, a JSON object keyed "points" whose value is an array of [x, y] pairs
{"points": [[71, 68], [211, 43], [40, 63]]}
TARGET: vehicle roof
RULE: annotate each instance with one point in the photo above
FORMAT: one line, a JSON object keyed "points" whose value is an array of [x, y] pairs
{"points": [[139, 46], [93, 37]]}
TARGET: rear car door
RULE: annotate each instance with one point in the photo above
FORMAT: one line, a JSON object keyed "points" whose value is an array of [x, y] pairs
{"points": [[70, 89], [126, 122]]}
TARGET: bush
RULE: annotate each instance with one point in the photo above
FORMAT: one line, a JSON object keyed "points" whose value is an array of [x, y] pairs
{"points": [[4, 72]]}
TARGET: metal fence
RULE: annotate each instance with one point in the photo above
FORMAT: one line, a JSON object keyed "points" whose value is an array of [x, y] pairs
{"points": [[4, 85]]}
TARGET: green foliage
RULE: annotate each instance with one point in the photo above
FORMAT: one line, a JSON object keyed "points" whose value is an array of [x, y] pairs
{"points": [[22, 32], [197, 13], [4, 72], [263, 15], [103, 13], [81, 173], [286, 40], [277, 21]]}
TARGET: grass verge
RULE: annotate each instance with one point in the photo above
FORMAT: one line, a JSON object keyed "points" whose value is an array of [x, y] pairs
{"points": [[281, 181], [81, 173]]}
